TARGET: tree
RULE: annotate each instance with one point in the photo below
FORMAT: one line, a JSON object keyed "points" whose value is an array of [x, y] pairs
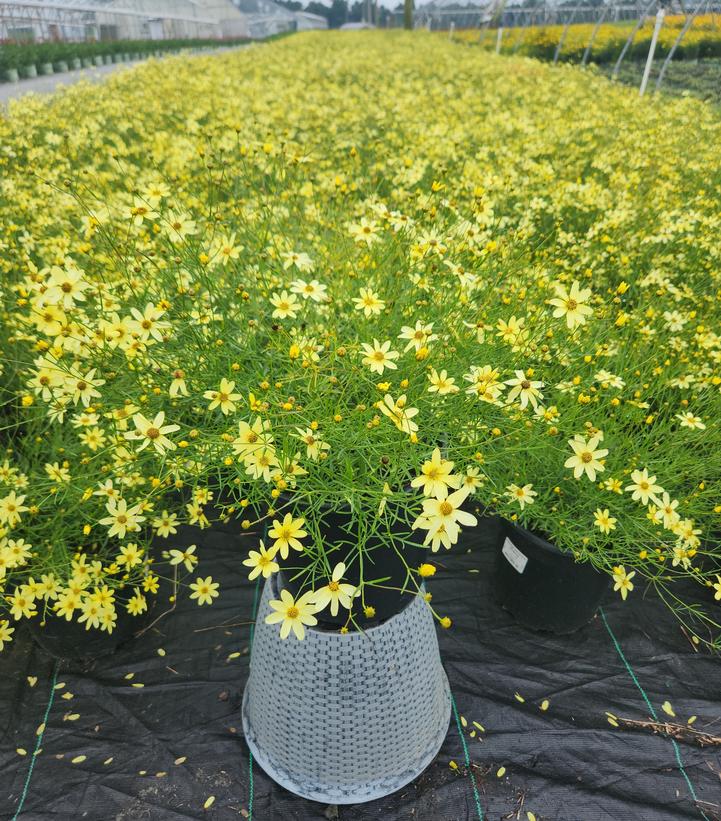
{"points": [[408, 14], [338, 14]]}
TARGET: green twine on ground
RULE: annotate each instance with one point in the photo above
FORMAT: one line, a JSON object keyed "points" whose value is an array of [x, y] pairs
{"points": [[251, 789], [467, 758], [26, 786], [651, 710]]}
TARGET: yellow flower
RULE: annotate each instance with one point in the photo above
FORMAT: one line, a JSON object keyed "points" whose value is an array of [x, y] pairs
{"points": [[204, 590], [644, 487], [6, 632], [524, 389], [165, 524], [11, 506], [623, 580], [436, 476], [688, 420], [335, 592], [147, 433], [604, 521], [441, 383], [484, 383], [130, 555], [185, 557], [426, 570], [369, 302], [287, 534], [417, 337], [379, 357], [252, 437], [137, 603], [716, 587], [398, 413], [223, 398], [524, 495], [309, 290], [586, 456], [314, 445], [22, 603], [292, 614], [262, 562], [286, 305], [68, 602], [91, 612], [442, 519], [572, 304], [122, 518]]}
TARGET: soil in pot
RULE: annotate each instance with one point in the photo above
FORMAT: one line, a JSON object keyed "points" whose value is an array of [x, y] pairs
{"points": [[380, 561], [63, 639], [543, 588]]}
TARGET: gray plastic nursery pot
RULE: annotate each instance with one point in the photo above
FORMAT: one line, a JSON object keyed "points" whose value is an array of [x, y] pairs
{"points": [[63, 639], [76, 63], [61, 66], [543, 588], [11, 75], [97, 60], [46, 68], [30, 72], [346, 718], [87, 62]]}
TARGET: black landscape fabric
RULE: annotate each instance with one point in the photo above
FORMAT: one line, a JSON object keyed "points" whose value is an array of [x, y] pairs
{"points": [[112, 749]]}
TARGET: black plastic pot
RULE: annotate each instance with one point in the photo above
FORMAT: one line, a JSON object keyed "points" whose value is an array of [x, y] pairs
{"points": [[63, 639], [543, 588], [380, 561]]}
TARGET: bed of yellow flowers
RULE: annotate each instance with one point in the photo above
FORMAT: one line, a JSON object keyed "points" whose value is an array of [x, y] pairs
{"points": [[703, 39], [375, 272]]}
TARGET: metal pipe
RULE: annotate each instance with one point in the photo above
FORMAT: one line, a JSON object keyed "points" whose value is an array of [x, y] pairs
{"points": [[651, 49]]}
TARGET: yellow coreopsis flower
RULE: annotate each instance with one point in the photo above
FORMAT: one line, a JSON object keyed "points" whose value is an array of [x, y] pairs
{"points": [[441, 383], [11, 508], [121, 518], [572, 304], [185, 557], [524, 495], [442, 519], [286, 305], [335, 592], [369, 302], [622, 580], [586, 457], [223, 398], [399, 413], [153, 433], [524, 389], [287, 534], [204, 590], [604, 521], [379, 356], [6, 632], [262, 561], [644, 487], [436, 476], [292, 614]]}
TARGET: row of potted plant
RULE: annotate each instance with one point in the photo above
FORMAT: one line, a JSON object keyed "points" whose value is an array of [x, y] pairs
{"points": [[311, 325], [30, 59]]}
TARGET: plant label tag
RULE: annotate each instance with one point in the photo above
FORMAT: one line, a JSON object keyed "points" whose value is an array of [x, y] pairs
{"points": [[514, 556]]}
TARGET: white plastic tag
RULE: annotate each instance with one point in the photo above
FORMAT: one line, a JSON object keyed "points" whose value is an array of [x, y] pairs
{"points": [[514, 556]]}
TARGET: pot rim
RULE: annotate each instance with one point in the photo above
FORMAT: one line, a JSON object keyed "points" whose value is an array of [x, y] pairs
{"points": [[352, 631]]}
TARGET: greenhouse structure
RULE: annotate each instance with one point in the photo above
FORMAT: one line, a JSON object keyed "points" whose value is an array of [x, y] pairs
{"points": [[77, 20]]}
